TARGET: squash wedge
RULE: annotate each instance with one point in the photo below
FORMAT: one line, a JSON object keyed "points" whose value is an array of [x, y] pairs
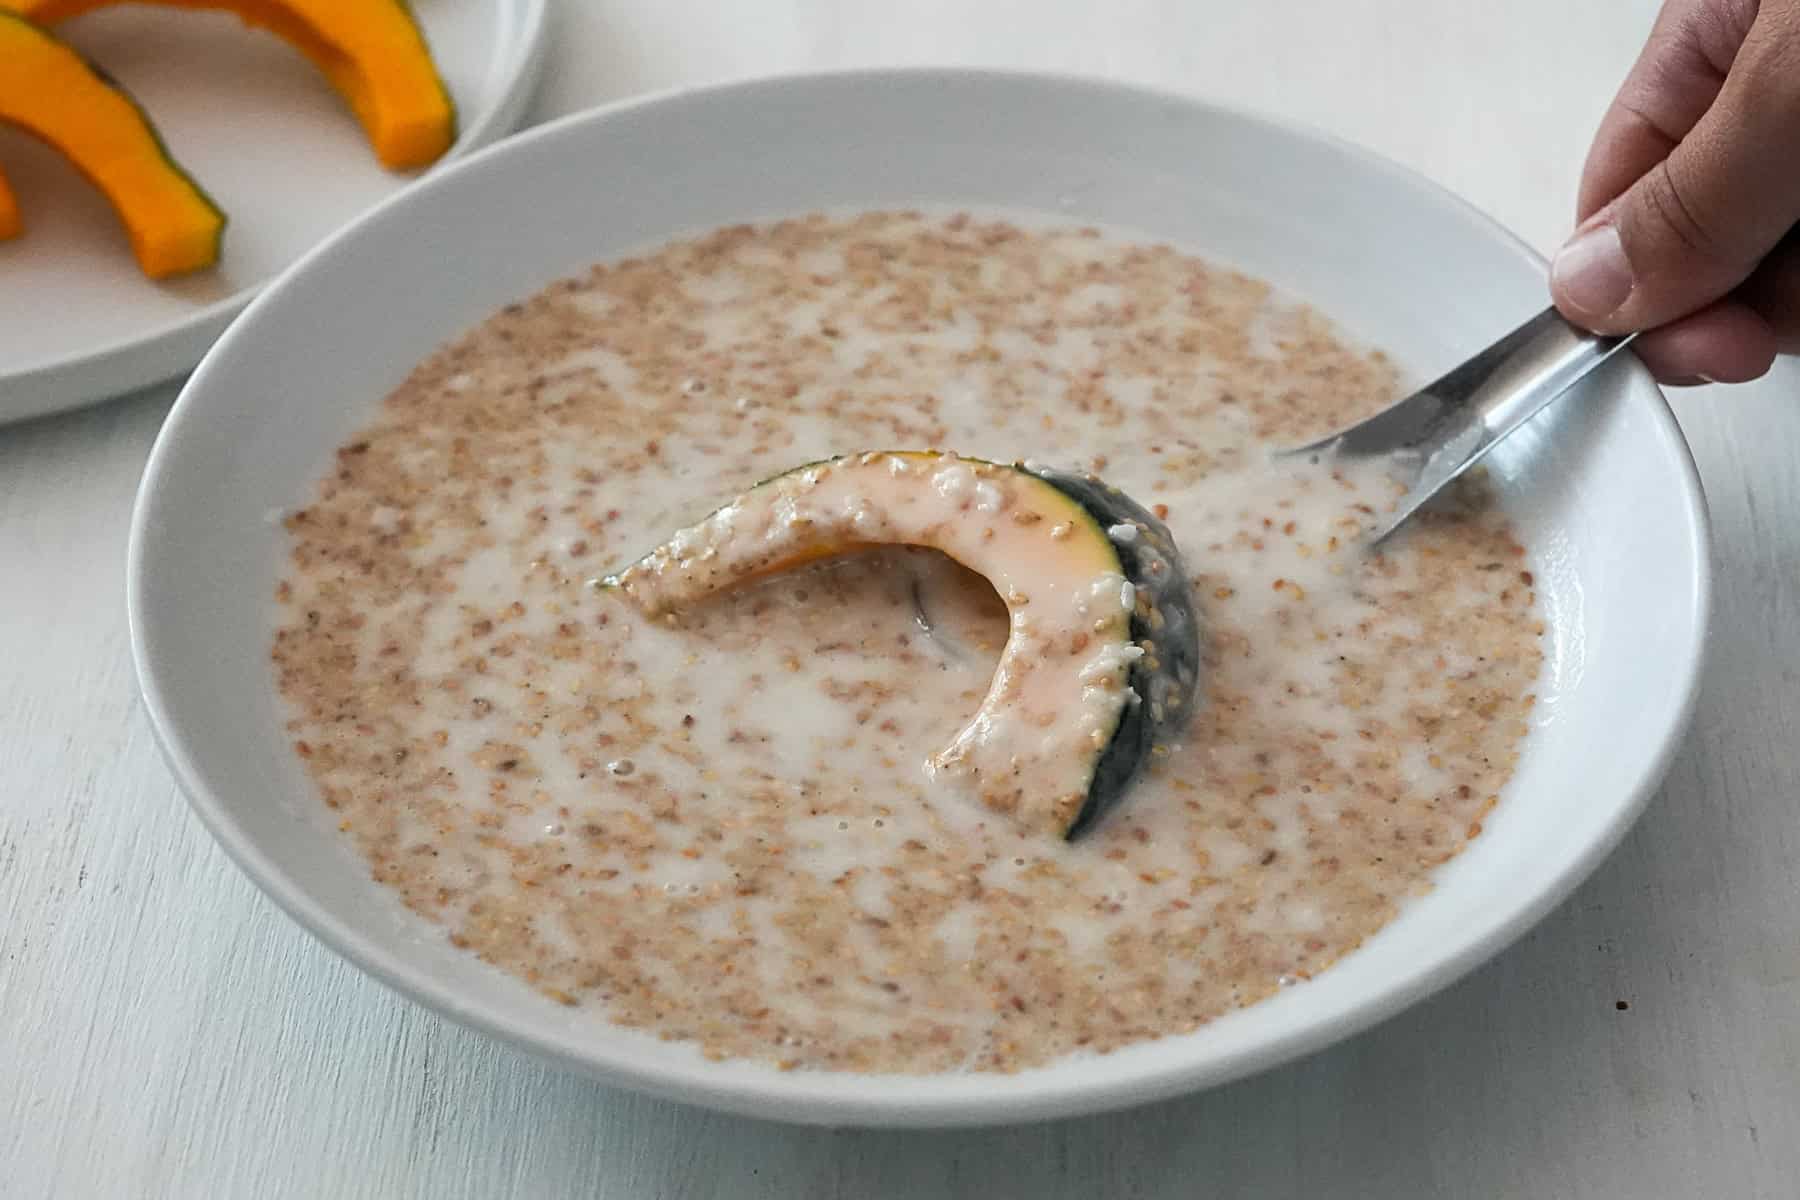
{"points": [[10, 223], [1102, 661], [372, 52], [49, 90]]}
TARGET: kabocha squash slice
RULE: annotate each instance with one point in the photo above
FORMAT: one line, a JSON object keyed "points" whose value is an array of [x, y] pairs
{"points": [[10, 223], [372, 52], [48, 89], [1101, 664]]}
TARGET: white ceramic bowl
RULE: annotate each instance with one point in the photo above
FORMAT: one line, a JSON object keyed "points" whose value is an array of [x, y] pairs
{"points": [[1601, 487]]}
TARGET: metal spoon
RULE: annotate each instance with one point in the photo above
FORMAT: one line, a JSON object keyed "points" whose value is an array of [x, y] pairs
{"points": [[1445, 428]]}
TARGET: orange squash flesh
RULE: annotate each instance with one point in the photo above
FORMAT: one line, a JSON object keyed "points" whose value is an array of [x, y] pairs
{"points": [[371, 51], [10, 224], [49, 90]]}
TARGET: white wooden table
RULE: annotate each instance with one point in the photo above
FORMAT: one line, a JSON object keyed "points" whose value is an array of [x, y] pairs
{"points": [[164, 1031]]}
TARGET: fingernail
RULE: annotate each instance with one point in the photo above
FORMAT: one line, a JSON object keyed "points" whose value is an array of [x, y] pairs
{"points": [[1591, 273]]}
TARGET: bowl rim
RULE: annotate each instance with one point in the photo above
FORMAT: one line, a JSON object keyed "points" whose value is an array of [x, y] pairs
{"points": [[927, 1101]]}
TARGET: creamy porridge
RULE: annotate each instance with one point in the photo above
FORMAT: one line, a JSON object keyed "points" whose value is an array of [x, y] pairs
{"points": [[723, 828]]}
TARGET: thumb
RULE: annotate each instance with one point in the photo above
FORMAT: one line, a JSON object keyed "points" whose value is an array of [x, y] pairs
{"points": [[1696, 224]]}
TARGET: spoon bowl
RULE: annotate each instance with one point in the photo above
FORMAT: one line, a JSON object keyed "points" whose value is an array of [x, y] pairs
{"points": [[1446, 427]]}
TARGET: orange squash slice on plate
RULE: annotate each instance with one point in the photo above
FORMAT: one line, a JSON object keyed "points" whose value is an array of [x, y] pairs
{"points": [[372, 52], [49, 90], [10, 224]]}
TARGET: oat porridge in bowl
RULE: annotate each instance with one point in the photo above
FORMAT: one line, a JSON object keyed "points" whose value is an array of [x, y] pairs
{"points": [[838, 644]]}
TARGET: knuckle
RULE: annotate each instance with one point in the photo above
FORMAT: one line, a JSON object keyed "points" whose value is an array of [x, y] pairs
{"points": [[1667, 205], [1719, 28], [1766, 68]]}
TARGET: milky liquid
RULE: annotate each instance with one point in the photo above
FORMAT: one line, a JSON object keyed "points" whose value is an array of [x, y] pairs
{"points": [[723, 829]]}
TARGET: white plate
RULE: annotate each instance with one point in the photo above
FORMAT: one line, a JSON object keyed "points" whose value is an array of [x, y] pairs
{"points": [[265, 136], [1601, 486]]}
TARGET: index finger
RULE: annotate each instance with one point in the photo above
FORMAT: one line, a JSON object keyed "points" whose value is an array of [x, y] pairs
{"points": [[1676, 78]]}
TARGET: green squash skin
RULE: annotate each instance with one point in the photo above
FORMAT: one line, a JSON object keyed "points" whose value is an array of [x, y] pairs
{"points": [[1167, 677], [412, 17]]}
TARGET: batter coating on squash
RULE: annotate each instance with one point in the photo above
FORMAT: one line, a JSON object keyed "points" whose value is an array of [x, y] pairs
{"points": [[1102, 655]]}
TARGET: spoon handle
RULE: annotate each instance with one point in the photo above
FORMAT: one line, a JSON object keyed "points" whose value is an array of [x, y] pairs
{"points": [[1511, 381], [1445, 428]]}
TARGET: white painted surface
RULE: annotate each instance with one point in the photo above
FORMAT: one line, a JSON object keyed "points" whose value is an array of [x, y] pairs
{"points": [[165, 1031]]}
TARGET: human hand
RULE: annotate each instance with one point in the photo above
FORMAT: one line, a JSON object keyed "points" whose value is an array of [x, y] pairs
{"points": [[1690, 196]]}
